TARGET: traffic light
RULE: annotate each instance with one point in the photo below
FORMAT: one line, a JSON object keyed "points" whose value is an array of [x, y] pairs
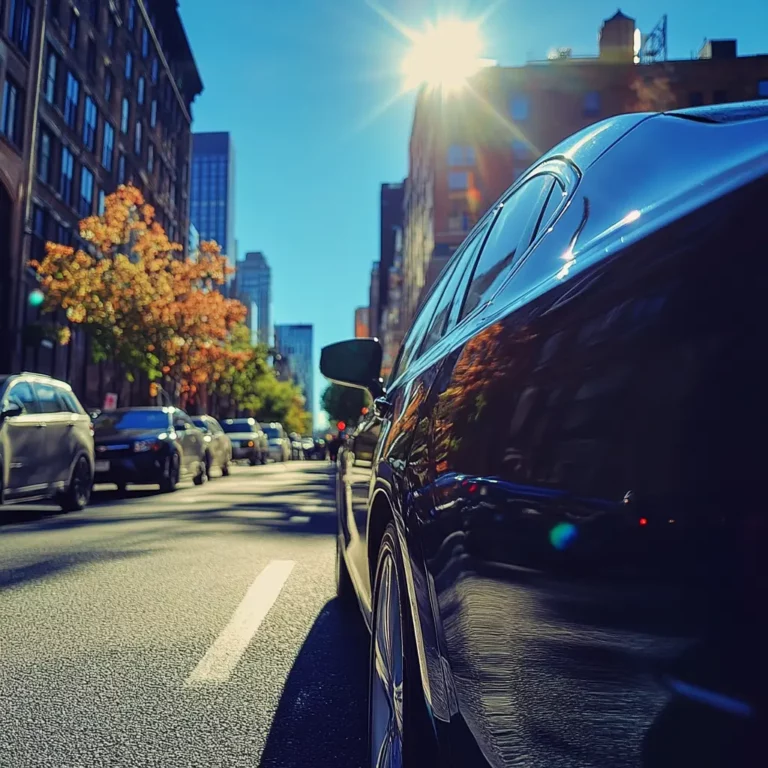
{"points": [[341, 426], [154, 389]]}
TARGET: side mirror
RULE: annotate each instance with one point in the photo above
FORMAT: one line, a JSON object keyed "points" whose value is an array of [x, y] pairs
{"points": [[354, 363], [11, 410]]}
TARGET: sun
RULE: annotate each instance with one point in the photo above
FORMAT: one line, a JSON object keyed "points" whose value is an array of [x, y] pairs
{"points": [[444, 55]]}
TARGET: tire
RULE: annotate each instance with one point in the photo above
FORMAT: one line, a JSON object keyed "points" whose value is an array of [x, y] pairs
{"points": [[345, 589], [252, 460], [264, 458], [2, 487], [170, 479], [225, 469], [78, 494], [407, 738], [208, 464], [202, 474]]}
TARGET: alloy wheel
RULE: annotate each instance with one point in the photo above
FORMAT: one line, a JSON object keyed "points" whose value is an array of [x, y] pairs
{"points": [[82, 482], [386, 707]]}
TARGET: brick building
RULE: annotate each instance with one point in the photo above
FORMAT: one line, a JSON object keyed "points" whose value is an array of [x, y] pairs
{"points": [[96, 93], [466, 149]]}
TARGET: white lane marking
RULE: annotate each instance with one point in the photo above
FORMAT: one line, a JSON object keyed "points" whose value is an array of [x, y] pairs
{"points": [[222, 657]]}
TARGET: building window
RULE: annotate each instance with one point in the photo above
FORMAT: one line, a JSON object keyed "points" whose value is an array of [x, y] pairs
{"points": [[39, 229], [107, 146], [20, 24], [85, 207], [762, 89], [102, 202], [153, 113], [458, 180], [74, 25], [719, 97], [94, 12], [54, 10], [72, 100], [145, 42], [696, 99], [131, 15], [121, 169], [137, 138], [90, 121], [90, 58], [591, 103], [461, 154], [153, 69], [125, 114], [107, 86], [66, 174], [140, 92], [150, 157], [51, 77], [13, 112], [520, 107], [44, 156], [111, 31], [128, 65]]}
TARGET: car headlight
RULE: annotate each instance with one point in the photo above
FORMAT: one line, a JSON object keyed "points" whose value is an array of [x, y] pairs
{"points": [[140, 446]]}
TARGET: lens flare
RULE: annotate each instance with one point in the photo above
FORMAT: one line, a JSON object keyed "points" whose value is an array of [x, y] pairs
{"points": [[36, 298], [562, 536]]}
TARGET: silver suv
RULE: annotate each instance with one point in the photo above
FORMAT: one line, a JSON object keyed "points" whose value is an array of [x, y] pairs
{"points": [[46, 442]]}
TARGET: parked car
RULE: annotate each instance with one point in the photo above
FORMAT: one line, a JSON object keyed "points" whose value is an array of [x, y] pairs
{"points": [[553, 518], [297, 450], [308, 448], [248, 440], [46, 442], [148, 446], [279, 444], [218, 448]]}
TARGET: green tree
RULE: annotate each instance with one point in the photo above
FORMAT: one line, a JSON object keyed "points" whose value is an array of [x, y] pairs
{"points": [[344, 403]]}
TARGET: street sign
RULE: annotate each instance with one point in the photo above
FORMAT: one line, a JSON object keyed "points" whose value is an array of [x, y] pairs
{"points": [[110, 401]]}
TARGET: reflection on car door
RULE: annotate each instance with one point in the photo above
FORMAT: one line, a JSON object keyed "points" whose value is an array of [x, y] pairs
{"points": [[190, 439], [24, 436], [60, 443]]}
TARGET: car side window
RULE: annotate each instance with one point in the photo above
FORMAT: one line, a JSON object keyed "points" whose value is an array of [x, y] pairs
{"points": [[508, 239], [180, 421], [70, 401], [49, 399], [465, 260], [22, 395], [556, 198]]}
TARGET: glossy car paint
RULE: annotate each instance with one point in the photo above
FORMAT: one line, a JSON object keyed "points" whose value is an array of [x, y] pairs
{"points": [[574, 470]]}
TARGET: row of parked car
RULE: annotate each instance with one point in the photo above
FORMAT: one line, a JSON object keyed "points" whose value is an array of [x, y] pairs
{"points": [[51, 448]]}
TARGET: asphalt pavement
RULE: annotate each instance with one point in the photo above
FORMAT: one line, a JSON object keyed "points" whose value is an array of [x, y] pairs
{"points": [[197, 628]]}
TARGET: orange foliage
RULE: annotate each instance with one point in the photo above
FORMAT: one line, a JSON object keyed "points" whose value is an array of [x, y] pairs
{"points": [[143, 305]]}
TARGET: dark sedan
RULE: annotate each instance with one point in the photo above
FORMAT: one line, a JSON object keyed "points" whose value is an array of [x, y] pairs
{"points": [[553, 519], [148, 446]]}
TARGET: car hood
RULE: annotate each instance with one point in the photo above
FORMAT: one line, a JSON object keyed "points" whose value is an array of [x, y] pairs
{"points": [[126, 436]]}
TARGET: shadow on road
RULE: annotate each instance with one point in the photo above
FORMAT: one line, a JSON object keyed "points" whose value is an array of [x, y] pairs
{"points": [[322, 715]]}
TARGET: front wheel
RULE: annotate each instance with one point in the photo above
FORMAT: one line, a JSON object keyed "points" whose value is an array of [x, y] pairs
{"points": [[78, 494], [208, 465], [225, 469], [399, 732], [252, 459], [202, 474], [171, 473]]}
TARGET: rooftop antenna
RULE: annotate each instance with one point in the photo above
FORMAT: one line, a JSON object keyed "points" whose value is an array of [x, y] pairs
{"points": [[654, 47]]}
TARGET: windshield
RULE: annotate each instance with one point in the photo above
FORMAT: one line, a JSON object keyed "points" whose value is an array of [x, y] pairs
{"points": [[122, 420], [272, 433], [239, 425]]}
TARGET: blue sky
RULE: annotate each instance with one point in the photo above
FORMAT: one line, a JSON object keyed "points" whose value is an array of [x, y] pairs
{"points": [[309, 90]]}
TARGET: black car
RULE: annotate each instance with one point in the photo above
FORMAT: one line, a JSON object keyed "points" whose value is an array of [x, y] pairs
{"points": [[148, 446], [553, 517]]}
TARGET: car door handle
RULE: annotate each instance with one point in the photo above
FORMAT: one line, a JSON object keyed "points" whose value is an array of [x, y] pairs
{"points": [[381, 407]]}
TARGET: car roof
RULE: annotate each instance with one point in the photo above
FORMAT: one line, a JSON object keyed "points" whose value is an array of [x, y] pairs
{"points": [[737, 112]]}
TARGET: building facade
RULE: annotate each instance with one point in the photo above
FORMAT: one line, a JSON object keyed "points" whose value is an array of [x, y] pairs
{"points": [[95, 94], [213, 192], [362, 328], [390, 223], [294, 344], [254, 289], [467, 148]]}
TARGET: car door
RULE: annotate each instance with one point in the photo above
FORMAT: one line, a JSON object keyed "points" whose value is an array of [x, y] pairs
{"points": [[191, 441], [219, 440], [60, 443], [24, 438]]}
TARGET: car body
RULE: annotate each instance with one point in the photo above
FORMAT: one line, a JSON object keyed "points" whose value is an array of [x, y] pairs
{"points": [[218, 447], [557, 495], [46, 442], [279, 444], [247, 439], [148, 446], [308, 447]]}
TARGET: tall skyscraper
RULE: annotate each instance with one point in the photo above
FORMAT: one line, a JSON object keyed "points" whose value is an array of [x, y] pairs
{"points": [[254, 289], [213, 191], [391, 223], [294, 343]]}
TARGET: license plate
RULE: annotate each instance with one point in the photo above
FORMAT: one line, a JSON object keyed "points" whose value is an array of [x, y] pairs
{"points": [[102, 466]]}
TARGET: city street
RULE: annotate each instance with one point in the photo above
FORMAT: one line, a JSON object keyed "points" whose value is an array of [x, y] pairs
{"points": [[197, 628]]}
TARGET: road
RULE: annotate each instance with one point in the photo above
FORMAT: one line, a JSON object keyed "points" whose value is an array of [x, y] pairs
{"points": [[197, 628]]}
